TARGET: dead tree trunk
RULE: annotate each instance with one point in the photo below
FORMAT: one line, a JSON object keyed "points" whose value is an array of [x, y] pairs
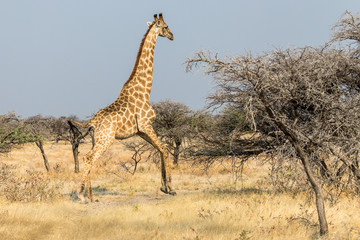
{"points": [[177, 150], [75, 138], [75, 150], [40, 145]]}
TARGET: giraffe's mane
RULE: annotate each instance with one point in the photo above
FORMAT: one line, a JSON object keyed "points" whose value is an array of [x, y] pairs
{"points": [[139, 54]]}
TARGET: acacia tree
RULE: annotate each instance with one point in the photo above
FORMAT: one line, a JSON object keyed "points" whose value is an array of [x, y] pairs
{"points": [[348, 30], [225, 136], [47, 129], [306, 100], [75, 138], [13, 132], [63, 129], [173, 125], [41, 128], [60, 129]]}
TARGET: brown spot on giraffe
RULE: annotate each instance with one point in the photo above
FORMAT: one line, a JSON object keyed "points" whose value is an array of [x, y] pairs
{"points": [[122, 119], [142, 82]]}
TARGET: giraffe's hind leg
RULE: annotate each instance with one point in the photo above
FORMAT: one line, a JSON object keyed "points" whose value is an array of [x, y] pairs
{"points": [[148, 134], [89, 159]]}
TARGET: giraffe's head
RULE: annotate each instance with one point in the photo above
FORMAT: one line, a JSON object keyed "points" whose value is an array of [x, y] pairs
{"points": [[161, 27]]}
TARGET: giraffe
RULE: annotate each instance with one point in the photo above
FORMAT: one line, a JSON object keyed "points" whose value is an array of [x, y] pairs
{"points": [[131, 113]]}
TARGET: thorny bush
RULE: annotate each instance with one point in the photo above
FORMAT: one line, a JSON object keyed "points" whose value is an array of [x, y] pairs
{"points": [[33, 186]]}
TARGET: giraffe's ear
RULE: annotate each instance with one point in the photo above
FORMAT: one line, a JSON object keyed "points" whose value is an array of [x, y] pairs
{"points": [[149, 24]]}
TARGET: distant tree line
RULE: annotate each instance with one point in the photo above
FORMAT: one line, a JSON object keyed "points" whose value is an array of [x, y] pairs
{"points": [[186, 133], [16, 131]]}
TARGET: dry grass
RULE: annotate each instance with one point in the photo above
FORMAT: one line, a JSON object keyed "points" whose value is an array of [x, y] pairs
{"points": [[207, 206]]}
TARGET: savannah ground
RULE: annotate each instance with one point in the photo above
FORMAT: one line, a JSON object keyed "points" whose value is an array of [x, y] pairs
{"points": [[207, 205]]}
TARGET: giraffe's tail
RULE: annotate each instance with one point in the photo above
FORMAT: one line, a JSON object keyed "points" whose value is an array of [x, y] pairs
{"points": [[80, 124]]}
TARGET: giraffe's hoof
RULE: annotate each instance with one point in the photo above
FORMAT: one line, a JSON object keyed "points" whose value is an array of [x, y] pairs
{"points": [[81, 199], [171, 192], [164, 190]]}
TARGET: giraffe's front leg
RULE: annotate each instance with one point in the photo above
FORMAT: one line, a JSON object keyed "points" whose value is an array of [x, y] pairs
{"points": [[149, 135], [165, 174]]}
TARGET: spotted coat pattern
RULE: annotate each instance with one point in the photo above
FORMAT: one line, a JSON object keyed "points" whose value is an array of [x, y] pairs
{"points": [[131, 113]]}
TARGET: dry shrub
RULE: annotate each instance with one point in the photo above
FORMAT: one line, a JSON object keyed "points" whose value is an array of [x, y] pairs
{"points": [[285, 177], [32, 186]]}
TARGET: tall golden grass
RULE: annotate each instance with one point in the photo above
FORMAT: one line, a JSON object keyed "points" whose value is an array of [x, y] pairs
{"points": [[208, 206]]}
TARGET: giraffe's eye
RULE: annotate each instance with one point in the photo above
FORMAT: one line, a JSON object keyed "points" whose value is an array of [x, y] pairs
{"points": [[166, 28]]}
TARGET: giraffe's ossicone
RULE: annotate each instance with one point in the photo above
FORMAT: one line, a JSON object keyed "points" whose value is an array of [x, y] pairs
{"points": [[131, 113]]}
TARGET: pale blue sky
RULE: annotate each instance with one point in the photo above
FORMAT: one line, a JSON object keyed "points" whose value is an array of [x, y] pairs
{"points": [[71, 57]]}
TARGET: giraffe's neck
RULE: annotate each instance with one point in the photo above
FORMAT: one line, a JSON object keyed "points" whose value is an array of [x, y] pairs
{"points": [[140, 80]]}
